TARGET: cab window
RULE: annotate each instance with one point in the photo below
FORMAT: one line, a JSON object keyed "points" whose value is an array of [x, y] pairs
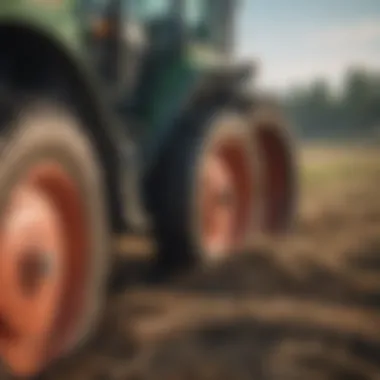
{"points": [[195, 12], [200, 20], [147, 10]]}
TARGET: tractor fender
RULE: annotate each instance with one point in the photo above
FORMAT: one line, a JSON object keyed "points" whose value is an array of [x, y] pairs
{"points": [[212, 88], [220, 85], [36, 63]]}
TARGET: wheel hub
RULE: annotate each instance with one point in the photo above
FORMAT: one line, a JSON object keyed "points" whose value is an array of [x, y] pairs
{"points": [[34, 268], [31, 247]]}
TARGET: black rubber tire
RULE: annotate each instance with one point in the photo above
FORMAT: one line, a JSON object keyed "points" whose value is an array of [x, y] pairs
{"points": [[171, 191], [46, 131], [272, 134]]}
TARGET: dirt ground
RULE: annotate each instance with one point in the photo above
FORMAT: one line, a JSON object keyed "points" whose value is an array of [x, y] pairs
{"points": [[305, 306]]}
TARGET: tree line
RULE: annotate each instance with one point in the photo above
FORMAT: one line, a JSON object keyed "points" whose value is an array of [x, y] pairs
{"points": [[318, 112]]}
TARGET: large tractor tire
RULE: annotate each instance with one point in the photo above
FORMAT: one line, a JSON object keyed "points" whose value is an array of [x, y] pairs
{"points": [[205, 191], [54, 238], [272, 134]]}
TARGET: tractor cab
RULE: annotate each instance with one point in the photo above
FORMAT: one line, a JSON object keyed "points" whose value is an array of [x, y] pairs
{"points": [[127, 38]]}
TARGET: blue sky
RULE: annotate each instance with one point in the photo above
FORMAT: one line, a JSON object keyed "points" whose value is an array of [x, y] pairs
{"points": [[298, 40]]}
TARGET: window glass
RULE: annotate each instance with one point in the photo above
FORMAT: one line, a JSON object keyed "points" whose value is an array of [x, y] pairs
{"points": [[197, 19], [196, 12], [145, 10]]}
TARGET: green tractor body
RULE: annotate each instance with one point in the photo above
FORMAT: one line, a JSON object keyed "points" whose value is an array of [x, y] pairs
{"points": [[132, 112], [142, 81]]}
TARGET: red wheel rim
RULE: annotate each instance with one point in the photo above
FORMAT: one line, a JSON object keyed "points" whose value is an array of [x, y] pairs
{"points": [[43, 241], [226, 197], [276, 179]]}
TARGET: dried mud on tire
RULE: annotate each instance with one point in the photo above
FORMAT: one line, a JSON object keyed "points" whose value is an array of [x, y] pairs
{"points": [[302, 307]]}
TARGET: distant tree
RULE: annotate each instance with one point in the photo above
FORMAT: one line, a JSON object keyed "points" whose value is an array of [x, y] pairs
{"points": [[317, 113]]}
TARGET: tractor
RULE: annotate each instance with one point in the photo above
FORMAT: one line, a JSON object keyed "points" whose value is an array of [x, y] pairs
{"points": [[123, 116]]}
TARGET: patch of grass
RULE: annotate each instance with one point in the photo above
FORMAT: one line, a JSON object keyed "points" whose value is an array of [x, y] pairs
{"points": [[338, 172], [347, 165]]}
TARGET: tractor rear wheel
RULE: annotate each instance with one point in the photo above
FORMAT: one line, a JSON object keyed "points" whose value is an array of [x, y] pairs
{"points": [[53, 239], [270, 132], [206, 191]]}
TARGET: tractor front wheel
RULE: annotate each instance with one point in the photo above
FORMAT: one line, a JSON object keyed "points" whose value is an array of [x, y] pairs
{"points": [[53, 239], [206, 191]]}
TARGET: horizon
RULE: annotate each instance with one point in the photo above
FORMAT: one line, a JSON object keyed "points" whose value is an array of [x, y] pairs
{"points": [[296, 42]]}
